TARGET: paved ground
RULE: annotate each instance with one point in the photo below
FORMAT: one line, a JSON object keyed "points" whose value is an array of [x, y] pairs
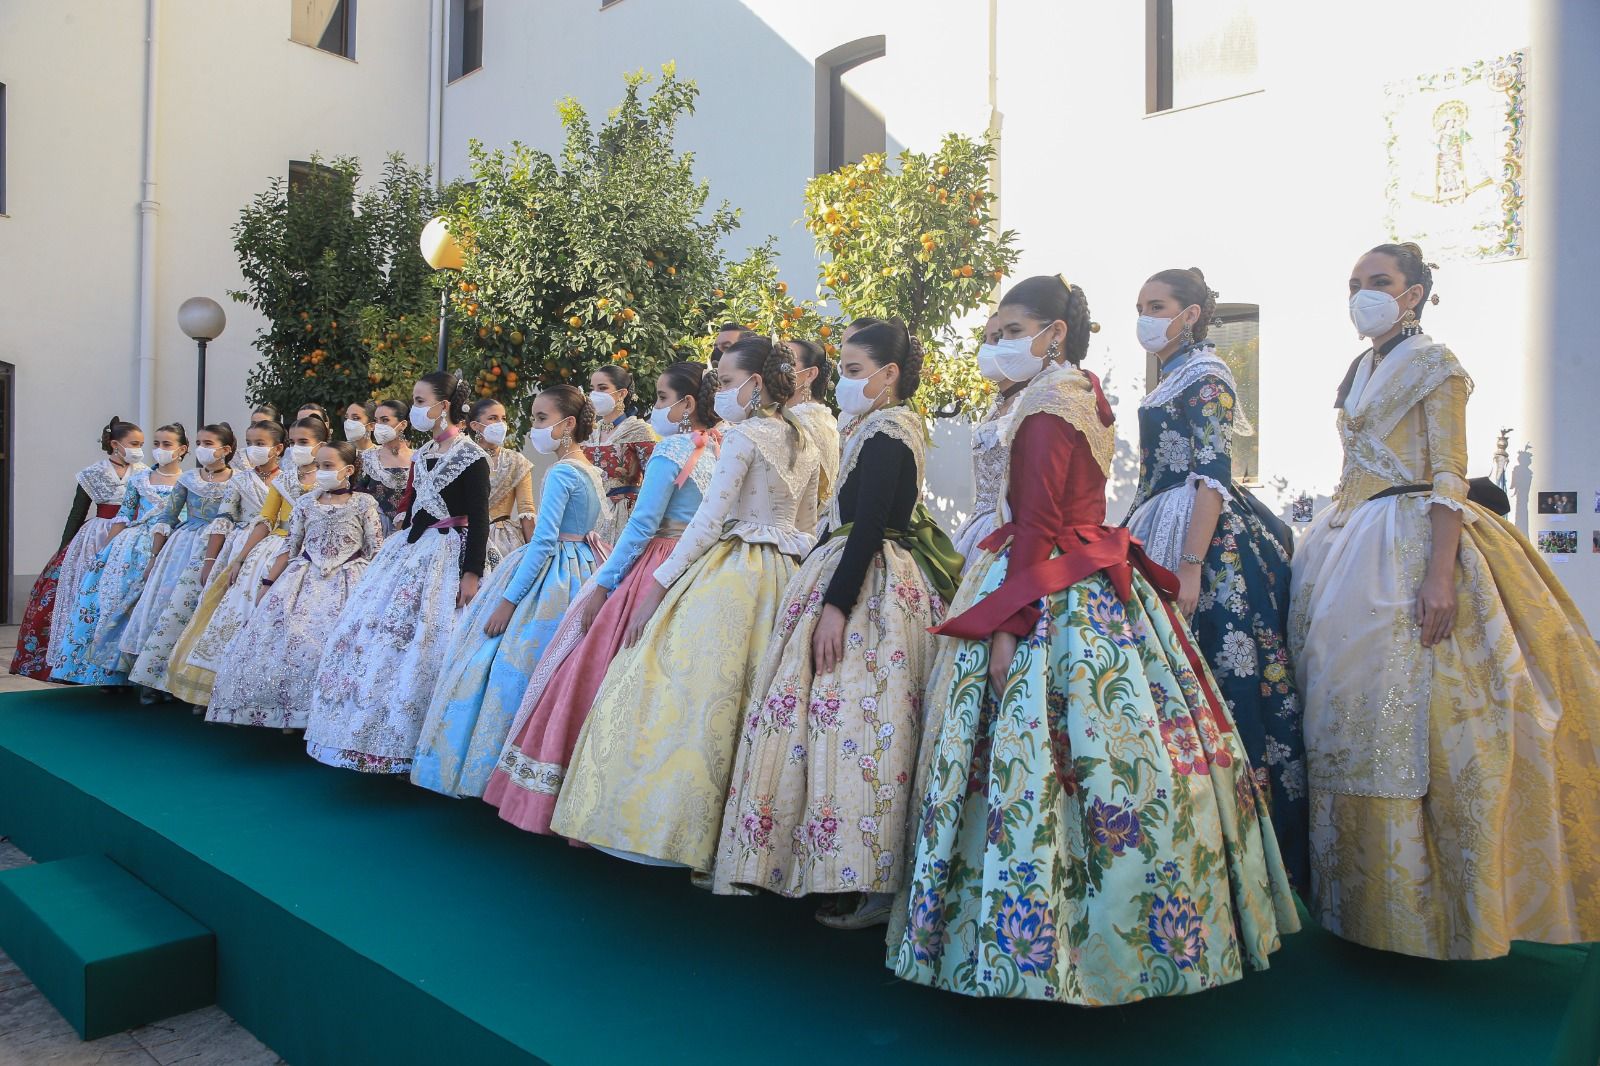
{"points": [[33, 1033]]}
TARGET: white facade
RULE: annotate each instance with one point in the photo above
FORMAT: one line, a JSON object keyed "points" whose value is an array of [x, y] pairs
{"points": [[1275, 193]]}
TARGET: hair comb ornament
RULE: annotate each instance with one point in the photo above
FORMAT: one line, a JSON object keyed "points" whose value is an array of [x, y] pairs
{"points": [[1434, 299], [1094, 327], [1063, 279]]}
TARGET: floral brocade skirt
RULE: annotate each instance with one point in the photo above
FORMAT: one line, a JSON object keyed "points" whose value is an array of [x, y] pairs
{"points": [[822, 784], [1094, 836], [33, 636], [651, 768], [222, 612]]}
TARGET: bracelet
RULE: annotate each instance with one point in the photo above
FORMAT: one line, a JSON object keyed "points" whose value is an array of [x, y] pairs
{"points": [[1191, 557], [267, 581], [209, 559]]}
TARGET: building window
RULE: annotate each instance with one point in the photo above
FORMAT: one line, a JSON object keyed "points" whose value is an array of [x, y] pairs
{"points": [[847, 126], [466, 37], [1236, 331], [326, 24], [302, 174], [1197, 51]]}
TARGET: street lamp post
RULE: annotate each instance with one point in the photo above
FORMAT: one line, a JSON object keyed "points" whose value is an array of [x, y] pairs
{"points": [[442, 252], [202, 319]]}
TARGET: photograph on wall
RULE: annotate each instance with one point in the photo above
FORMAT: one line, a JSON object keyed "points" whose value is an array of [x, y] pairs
{"points": [[1456, 141], [1596, 536], [1558, 541], [1558, 503], [1597, 501]]}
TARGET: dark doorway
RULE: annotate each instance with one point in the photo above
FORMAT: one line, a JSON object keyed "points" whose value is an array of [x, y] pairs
{"points": [[8, 390]]}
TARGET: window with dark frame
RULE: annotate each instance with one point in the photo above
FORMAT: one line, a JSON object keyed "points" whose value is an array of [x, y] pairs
{"points": [[327, 25], [1199, 51], [302, 172], [466, 37], [1236, 331], [847, 126]]}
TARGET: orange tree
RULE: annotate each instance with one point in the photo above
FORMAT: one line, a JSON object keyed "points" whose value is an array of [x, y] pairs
{"points": [[321, 262], [917, 243], [751, 294], [602, 254]]}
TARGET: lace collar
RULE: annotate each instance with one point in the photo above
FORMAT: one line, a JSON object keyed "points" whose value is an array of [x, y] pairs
{"points": [[1072, 396], [1183, 370], [102, 482], [899, 422], [506, 471], [428, 484], [678, 447], [794, 460]]}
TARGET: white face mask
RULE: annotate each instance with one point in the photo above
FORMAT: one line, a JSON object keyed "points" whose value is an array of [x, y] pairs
{"points": [[163, 456], [852, 394], [353, 430], [1373, 313], [420, 420], [1153, 333], [988, 366], [662, 422], [727, 404], [132, 455], [494, 433], [604, 403], [329, 479], [382, 434], [1015, 359], [258, 454], [302, 454], [205, 456], [543, 439]]}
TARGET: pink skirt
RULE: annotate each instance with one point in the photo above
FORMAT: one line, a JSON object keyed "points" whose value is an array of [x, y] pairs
{"points": [[534, 762]]}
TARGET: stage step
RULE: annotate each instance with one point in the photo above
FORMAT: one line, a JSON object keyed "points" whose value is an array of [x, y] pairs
{"points": [[104, 947]]}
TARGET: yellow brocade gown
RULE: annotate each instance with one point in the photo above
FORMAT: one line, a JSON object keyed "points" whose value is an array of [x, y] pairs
{"points": [[1455, 791]]}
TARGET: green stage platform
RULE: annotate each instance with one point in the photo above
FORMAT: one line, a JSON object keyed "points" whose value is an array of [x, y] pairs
{"points": [[361, 920]]}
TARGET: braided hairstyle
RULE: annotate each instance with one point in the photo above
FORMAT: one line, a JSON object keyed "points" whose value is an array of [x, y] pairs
{"points": [[694, 379], [1050, 298], [812, 356], [573, 403], [755, 354], [1413, 267], [1189, 288], [224, 433], [450, 388], [317, 409], [115, 430], [890, 342]]}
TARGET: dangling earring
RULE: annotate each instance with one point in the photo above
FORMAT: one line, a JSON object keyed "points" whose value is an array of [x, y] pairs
{"points": [[755, 403], [686, 423], [1052, 351], [1186, 338], [1409, 326]]}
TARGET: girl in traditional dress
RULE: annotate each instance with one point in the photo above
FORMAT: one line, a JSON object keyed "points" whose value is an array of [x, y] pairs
{"points": [[809, 407], [263, 413], [651, 768], [266, 495], [358, 425], [1452, 734], [1233, 573], [499, 640], [384, 654], [563, 687], [113, 582], [267, 677], [990, 458], [1090, 831], [386, 468], [102, 488], [820, 786], [511, 509], [185, 554], [620, 447]]}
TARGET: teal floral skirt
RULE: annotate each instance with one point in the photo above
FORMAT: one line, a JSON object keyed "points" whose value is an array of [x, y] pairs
{"points": [[1095, 835]]}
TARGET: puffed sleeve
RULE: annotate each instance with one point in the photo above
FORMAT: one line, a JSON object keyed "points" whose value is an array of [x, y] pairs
{"points": [[1444, 411], [878, 471], [1209, 405], [171, 509], [271, 508], [705, 529], [231, 511], [77, 516], [129, 513], [654, 495], [297, 526], [371, 527], [560, 485]]}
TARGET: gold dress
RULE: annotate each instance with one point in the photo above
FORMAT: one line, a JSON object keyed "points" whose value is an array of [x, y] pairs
{"points": [[650, 771], [822, 427], [1455, 791]]}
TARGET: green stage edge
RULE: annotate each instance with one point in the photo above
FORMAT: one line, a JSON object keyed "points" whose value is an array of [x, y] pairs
{"points": [[362, 920]]}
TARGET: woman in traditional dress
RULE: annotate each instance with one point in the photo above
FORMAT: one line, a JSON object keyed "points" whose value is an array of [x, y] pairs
{"points": [[1090, 830], [266, 677], [1233, 573], [990, 458], [384, 654], [809, 406], [651, 768], [186, 552], [1452, 735], [820, 785], [101, 487], [500, 638], [358, 425], [267, 492], [113, 581], [511, 509], [563, 687], [386, 468], [620, 447]]}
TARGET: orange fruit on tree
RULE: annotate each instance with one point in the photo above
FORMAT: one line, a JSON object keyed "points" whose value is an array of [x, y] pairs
{"points": [[783, 287], [482, 332], [966, 271], [574, 321], [825, 331], [602, 303], [304, 315], [516, 336]]}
